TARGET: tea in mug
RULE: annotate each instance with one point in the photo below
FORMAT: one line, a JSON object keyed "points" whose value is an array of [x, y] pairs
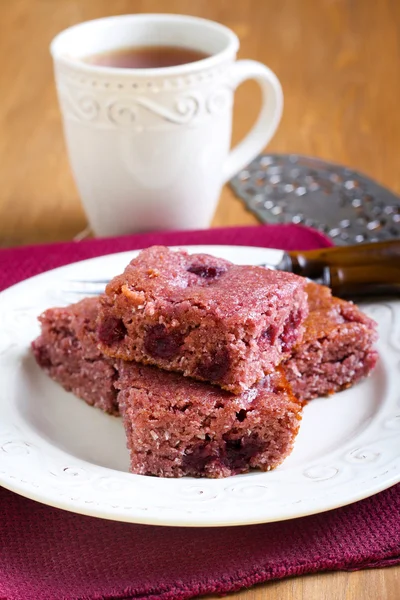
{"points": [[146, 57]]}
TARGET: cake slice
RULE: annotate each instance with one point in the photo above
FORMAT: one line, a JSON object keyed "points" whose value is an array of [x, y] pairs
{"points": [[67, 351], [177, 427], [202, 316], [337, 346], [336, 352]]}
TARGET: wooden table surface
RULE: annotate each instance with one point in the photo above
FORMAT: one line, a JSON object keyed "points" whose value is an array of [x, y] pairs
{"points": [[338, 61]]}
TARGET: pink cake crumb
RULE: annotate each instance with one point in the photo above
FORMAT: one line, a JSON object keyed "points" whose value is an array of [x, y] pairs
{"points": [[67, 351], [176, 426], [202, 316], [337, 346]]}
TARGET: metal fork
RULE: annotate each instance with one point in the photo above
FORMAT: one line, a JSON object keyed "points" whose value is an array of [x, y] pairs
{"points": [[85, 287], [360, 270]]}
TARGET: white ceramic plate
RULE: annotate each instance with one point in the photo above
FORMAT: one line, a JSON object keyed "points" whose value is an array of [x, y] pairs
{"points": [[59, 451]]}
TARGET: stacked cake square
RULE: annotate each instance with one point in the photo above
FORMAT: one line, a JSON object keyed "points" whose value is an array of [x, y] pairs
{"points": [[208, 363]]}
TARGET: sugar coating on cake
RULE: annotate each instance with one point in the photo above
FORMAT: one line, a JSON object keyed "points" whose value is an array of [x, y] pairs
{"points": [[67, 351], [202, 316], [177, 427], [337, 346]]}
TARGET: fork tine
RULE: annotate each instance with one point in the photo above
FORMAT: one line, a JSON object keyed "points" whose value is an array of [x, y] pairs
{"points": [[102, 281], [83, 292], [81, 287]]}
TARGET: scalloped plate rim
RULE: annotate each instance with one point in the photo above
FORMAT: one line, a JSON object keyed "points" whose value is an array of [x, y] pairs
{"points": [[191, 516]]}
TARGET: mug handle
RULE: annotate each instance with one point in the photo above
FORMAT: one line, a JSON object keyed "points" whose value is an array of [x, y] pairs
{"points": [[268, 119]]}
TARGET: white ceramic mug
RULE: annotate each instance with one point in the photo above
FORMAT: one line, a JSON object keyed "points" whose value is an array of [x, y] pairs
{"points": [[150, 148]]}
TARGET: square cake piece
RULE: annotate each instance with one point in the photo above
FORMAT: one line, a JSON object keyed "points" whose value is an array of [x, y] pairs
{"points": [[176, 426], [67, 351], [202, 316], [337, 346], [336, 351]]}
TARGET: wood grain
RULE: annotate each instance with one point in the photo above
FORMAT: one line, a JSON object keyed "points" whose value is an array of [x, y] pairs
{"points": [[338, 64], [377, 584], [337, 61]]}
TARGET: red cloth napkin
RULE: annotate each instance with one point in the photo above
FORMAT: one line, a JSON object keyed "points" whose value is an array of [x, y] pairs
{"points": [[19, 263], [49, 554]]}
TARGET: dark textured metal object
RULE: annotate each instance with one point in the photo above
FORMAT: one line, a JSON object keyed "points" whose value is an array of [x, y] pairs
{"points": [[347, 206]]}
